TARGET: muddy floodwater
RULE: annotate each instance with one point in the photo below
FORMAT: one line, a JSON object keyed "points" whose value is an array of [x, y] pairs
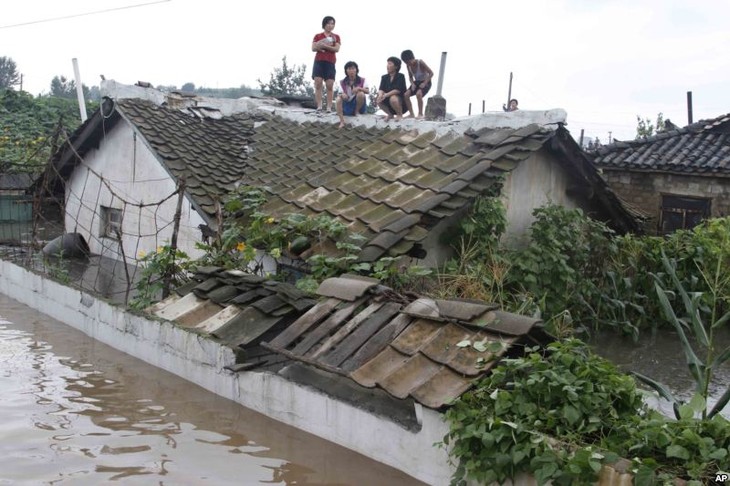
{"points": [[659, 355], [77, 412]]}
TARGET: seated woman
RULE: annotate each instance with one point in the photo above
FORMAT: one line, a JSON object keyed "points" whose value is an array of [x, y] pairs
{"points": [[391, 91], [351, 101]]}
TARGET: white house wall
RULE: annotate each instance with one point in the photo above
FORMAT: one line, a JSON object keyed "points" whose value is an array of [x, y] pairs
{"points": [[132, 176], [535, 182]]}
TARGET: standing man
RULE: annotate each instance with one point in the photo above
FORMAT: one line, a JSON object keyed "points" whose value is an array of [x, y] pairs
{"points": [[326, 44]]}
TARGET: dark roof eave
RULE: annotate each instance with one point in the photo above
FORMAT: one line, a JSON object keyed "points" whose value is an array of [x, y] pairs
{"points": [[562, 143], [79, 140]]}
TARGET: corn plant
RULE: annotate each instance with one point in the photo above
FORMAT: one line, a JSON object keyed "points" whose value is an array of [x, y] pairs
{"points": [[703, 330]]}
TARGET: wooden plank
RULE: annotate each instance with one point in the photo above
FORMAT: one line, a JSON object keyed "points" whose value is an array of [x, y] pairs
{"points": [[327, 327], [298, 327], [345, 330], [357, 338], [303, 359], [378, 342]]}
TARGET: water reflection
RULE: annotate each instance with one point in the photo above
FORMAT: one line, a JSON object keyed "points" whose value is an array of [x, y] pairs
{"points": [[78, 412]]}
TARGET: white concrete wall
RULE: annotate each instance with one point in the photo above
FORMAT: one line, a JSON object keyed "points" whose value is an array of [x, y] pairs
{"points": [[535, 182], [132, 176], [201, 361]]}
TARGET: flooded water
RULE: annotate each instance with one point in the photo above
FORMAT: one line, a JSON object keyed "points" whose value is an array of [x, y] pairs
{"points": [[77, 412], [660, 357]]}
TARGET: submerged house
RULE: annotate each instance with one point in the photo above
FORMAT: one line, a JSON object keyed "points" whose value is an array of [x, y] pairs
{"points": [[401, 186], [677, 177]]}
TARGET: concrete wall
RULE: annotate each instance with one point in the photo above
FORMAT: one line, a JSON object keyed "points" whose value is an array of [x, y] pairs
{"points": [[644, 190], [202, 361], [535, 182], [133, 176]]}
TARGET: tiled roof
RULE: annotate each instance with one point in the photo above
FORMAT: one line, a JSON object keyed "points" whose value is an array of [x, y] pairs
{"points": [[390, 185], [208, 151], [427, 350], [700, 148]]}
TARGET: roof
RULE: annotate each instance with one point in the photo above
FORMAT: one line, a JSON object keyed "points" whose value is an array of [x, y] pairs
{"points": [[15, 182], [392, 185], [427, 350], [702, 148]]}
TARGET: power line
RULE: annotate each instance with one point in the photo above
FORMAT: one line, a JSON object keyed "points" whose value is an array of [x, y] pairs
{"points": [[53, 19]]}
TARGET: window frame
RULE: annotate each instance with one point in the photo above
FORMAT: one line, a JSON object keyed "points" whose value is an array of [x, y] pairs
{"points": [[111, 220], [684, 205]]}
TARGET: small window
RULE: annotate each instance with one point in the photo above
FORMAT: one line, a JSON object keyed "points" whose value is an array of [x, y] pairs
{"points": [[111, 222], [682, 212]]}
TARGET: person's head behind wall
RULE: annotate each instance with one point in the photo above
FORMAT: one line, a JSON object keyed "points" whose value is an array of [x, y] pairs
{"points": [[327, 20], [513, 104], [396, 62]]}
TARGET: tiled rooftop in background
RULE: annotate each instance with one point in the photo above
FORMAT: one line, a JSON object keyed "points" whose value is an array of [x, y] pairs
{"points": [[700, 148]]}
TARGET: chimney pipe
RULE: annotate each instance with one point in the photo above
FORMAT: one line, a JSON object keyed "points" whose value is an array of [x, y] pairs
{"points": [[689, 107], [79, 90], [441, 74]]}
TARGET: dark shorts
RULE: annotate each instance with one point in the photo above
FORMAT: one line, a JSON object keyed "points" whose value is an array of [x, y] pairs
{"points": [[324, 70], [389, 107], [348, 107], [415, 86]]}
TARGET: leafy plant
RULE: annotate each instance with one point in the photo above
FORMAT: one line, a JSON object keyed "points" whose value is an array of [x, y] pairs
{"points": [[159, 266], [703, 331], [561, 413], [541, 414]]}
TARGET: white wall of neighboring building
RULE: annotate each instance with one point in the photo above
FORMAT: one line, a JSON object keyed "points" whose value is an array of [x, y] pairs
{"points": [[132, 176]]}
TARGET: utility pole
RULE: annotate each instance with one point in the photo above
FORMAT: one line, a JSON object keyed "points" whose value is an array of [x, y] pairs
{"points": [[609, 137], [509, 91]]}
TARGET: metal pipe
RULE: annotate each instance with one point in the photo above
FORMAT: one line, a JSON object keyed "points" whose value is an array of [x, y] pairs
{"points": [[689, 107], [79, 90], [441, 74]]}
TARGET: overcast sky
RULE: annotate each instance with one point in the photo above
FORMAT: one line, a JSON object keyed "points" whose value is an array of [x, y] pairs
{"points": [[604, 62]]}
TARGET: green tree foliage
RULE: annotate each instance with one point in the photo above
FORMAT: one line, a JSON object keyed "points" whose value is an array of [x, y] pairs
{"points": [[62, 87], [9, 75], [287, 80], [645, 127], [188, 87], [27, 125]]}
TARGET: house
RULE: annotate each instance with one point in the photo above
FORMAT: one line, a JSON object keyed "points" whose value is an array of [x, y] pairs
{"points": [[149, 166], [678, 177], [15, 204]]}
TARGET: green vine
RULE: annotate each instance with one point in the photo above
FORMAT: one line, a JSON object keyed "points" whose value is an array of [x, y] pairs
{"points": [[561, 413]]}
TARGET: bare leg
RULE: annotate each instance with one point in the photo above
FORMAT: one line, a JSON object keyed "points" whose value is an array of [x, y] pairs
{"points": [[419, 98], [330, 92], [359, 102], [397, 107], [384, 106], [409, 106], [340, 101], [318, 92]]}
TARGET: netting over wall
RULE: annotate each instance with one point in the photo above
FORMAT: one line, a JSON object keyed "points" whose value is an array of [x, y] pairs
{"points": [[94, 229]]}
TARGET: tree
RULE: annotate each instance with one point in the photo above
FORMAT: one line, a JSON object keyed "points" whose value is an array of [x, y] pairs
{"points": [[645, 128], [9, 75], [188, 87], [287, 81], [62, 87]]}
